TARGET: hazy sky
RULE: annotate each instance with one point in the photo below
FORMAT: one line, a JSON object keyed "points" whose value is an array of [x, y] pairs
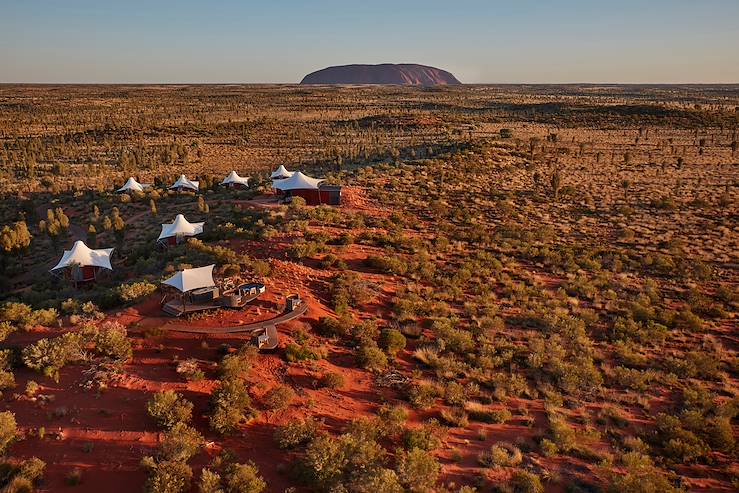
{"points": [[281, 40]]}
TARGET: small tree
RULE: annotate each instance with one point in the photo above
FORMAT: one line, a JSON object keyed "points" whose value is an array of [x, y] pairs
{"points": [[169, 408], [8, 430]]}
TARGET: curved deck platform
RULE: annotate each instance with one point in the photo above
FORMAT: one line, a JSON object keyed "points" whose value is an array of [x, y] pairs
{"points": [[261, 325]]}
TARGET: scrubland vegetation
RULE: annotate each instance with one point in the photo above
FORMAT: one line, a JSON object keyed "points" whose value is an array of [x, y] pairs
{"points": [[525, 290]]}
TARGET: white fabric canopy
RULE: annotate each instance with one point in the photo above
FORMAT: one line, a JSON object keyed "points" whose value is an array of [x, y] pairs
{"points": [[281, 173], [189, 279], [183, 182], [180, 227], [298, 181], [82, 255], [133, 186], [234, 178]]}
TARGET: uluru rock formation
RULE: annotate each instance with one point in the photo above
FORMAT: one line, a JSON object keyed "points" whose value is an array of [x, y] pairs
{"points": [[384, 73]]}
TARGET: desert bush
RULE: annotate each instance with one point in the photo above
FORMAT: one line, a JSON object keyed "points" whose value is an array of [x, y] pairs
{"points": [[244, 478], [112, 341], [455, 394], [296, 432], [134, 291], [392, 341], [21, 476], [428, 436], [166, 476], [303, 349], [238, 364], [334, 327], [8, 430], [278, 397], [388, 265], [640, 477], [169, 408], [231, 406], [501, 455], [376, 480], [484, 414], [180, 443], [526, 482], [418, 470], [210, 482], [392, 417], [332, 380], [455, 417], [50, 355], [190, 370], [423, 395], [371, 357]]}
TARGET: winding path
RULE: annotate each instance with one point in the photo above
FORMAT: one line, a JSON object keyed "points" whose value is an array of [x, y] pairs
{"points": [[262, 324]]}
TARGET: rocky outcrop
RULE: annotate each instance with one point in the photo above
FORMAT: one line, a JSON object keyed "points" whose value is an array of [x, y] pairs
{"points": [[385, 73]]}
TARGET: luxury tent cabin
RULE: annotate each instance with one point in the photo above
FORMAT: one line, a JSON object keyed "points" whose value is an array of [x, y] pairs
{"points": [[311, 189], [197, 291], [281, 173], [196, 287], [184, 185], [233, 180], [83, 265], [177, 232], [132, 186]]}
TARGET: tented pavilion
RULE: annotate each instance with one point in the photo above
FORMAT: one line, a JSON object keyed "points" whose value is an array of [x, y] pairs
{"points": [[300, 185], [184, 185], [132, 185], [197, 290], [83, 265], [281, 173], [233, 180], [177, 232]]}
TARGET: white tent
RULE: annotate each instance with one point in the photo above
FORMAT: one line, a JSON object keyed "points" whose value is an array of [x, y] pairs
{"points": [[298, 181], [180, 227], [132, 186], [234, 179], [82, 255], [183, 183], [189, 279], [281, 173]]}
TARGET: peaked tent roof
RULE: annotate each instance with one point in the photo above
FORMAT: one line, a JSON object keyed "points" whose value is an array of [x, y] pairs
{"points": [[233, 177], [298, 181], [180, 227], [183, 182], [132, 185], [81, 254], [189, 279], [281, 173]]}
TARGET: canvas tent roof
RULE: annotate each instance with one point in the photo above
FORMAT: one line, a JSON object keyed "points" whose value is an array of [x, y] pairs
{"points": [[133, 186], [298, 181], [189, 279], [183, 182], [180, 227], [281, 173], [233, 177], [81, 254]]}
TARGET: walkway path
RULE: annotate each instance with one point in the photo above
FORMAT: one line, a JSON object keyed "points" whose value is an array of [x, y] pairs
{"points": [[262, 324]]}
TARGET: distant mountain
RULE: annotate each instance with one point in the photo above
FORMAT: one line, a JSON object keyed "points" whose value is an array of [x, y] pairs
{"points": [[406, 74]]}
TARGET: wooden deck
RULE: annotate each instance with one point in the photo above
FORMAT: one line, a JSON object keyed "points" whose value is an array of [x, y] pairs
{"points": [[253, 327], [176, 309]]}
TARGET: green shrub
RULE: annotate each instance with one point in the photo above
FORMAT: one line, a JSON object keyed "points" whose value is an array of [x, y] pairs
{"points": [[180, 443], [428, 436], [278, 397], [423, 395], [210, 482], [371, 357], [169, 408], [526, 482], [455, 417], [231, 406], [244, 478], [297, 432], [332, 380], [8, 430], [334, 327], [112, 341], [501, 455], [418, 470], [392, 341], [166, 476], [134, 291]]}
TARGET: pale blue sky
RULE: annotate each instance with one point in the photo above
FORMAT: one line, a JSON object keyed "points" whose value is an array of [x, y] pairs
{"points": [[648, 41]]}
